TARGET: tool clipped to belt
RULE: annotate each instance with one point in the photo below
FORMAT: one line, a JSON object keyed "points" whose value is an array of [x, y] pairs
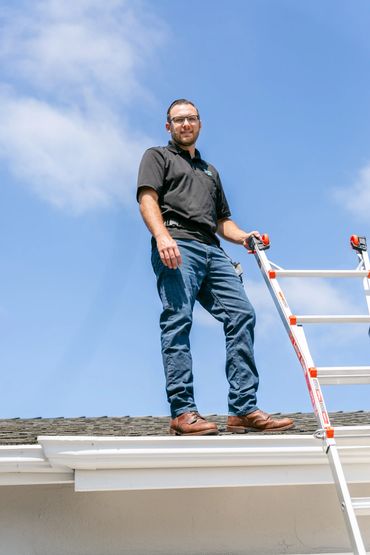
{"points": [[172, 223], [169, 222], [238, 269]]}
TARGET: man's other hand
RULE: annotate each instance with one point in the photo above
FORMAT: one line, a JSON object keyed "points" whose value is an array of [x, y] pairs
{"points": [[248, 236]]}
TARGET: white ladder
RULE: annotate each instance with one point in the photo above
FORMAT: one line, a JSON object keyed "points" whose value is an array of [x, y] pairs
{"points": [[325, 375]]}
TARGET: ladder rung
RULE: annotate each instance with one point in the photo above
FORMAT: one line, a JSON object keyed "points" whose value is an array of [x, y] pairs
{"points": [[340, 319], [361, 505], [343, 374], [322, 273]]}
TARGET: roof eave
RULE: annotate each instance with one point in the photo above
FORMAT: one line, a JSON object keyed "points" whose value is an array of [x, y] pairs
{"points": [[161, 462]]}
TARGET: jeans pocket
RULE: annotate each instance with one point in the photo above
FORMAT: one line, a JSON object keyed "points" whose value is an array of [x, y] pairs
{"points": [[170, 284]]}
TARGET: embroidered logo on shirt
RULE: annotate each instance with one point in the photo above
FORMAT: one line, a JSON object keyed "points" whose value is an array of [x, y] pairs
{"points": [[208, 173]]}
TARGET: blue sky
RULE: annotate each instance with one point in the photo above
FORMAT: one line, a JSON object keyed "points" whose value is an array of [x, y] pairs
{"points": [[283, 92]]}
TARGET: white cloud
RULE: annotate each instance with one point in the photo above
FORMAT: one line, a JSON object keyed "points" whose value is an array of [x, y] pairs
{"points": [[356, 198], [259, 295], [307, 296], [70, 72], [304, 296], [329, 343], [72, 160], [317, 296]]}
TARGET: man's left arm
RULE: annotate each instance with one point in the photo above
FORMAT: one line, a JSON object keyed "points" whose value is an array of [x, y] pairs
{"points": [[230, 231]]}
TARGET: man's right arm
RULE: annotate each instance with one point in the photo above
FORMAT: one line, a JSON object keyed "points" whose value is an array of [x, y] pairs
{"points": [[152, 216]]}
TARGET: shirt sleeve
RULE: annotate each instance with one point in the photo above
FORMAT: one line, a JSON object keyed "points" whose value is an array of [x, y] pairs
{"points": [[151, 171]]}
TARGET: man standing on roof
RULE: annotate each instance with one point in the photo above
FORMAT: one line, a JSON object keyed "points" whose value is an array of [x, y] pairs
{"points": [[183, 204]]}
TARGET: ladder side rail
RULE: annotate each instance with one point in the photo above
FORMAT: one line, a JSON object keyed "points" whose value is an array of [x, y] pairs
{"points": [[298, 339], [360, 247], [341, 487], [364, 257]]}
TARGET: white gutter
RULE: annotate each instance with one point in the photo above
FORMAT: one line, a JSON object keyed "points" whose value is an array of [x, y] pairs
{"points": [[27, 464], [168, 452], [158, 462], [124, 463]]}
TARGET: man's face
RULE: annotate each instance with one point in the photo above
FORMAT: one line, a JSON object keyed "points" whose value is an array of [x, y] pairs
{"points": [[184, 132]]}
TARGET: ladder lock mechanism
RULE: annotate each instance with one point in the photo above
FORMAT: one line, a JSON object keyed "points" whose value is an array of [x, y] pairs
{"points": [[358, 243]]}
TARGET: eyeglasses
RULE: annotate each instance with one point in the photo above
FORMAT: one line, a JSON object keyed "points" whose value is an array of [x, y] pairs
{"points": [[180, 120]]}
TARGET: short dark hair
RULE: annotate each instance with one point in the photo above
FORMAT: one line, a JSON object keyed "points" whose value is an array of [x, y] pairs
{"points": [[180, 101]]}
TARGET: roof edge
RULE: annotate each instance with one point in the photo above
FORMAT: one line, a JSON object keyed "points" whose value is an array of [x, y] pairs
{"points": [[161, 462]]}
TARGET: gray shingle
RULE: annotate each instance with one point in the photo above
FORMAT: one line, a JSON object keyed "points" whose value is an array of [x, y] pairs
{"points": [[18, 431]]}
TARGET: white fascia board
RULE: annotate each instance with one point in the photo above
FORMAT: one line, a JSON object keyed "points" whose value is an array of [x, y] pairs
{"points": [[180, 478], [122, 463], [26, 465]]}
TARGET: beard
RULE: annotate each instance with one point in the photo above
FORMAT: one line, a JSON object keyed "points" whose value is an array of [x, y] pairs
{"points": [[188, 139]]}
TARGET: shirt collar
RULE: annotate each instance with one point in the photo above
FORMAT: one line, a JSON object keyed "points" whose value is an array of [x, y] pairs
{"points": [[173, 147]]}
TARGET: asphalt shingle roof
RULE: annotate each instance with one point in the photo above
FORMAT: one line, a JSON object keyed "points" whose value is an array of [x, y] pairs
{"points": [[19, 431]]}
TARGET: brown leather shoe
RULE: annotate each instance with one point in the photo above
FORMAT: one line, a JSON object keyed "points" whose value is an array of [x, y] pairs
{"points": [[257, 421], [192, 424]]}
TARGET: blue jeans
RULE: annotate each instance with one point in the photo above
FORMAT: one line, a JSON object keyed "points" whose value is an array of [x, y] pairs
{"points": [[208, 276]]}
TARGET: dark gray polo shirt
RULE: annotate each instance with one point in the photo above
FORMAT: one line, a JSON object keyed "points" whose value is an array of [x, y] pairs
{"points": [[190, 192]]}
